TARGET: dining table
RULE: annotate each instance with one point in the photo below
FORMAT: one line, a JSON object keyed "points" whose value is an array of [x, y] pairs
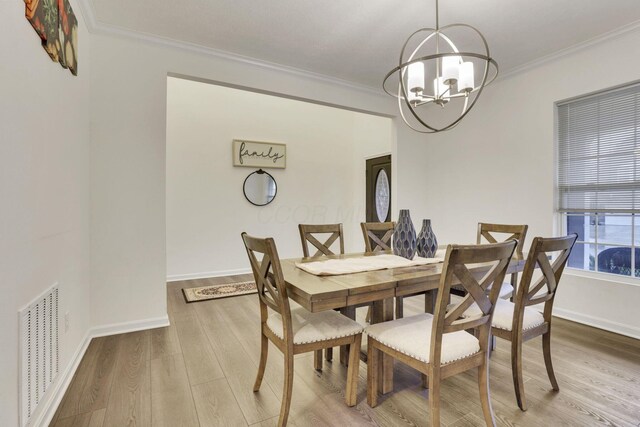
{"points": [[317, 293]]}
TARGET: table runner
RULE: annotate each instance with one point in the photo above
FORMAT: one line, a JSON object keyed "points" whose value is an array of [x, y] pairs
{"points": [[333, 267]]}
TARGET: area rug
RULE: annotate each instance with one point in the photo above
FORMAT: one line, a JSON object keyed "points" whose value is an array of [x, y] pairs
{"points": [[225, 290]]}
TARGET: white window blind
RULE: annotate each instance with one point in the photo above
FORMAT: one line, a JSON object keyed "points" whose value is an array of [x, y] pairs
{"points": [[599, 152]]}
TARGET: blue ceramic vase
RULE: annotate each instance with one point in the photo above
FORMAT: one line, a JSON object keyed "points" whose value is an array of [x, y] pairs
{"points": [[404, 236], [427, 243]]}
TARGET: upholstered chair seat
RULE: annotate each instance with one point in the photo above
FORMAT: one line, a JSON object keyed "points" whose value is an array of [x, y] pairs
{"points": [[506, 290], [314, 327], [503, 316], [412, 336]]}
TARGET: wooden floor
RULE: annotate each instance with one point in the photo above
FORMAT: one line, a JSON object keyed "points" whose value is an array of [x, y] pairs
{"points": [[200, 371]]}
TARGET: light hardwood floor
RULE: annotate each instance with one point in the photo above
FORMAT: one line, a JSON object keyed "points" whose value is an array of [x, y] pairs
{"points": [[200, 371]]}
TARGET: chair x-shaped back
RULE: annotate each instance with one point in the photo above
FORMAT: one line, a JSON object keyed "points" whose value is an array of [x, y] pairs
{"points": [[307, 232], [374, 239]]}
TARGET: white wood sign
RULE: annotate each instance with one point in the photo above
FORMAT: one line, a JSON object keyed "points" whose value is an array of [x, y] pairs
{"points": [[259, 154]]}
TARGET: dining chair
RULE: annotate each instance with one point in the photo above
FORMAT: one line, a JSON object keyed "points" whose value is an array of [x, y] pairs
{"points": [[377, 235], [439, 345], [309, 233], [493, 233], [518, 321], [294, 330]]}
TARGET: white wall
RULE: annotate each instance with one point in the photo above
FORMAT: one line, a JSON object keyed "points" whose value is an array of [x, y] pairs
{"points": [[498, 166], [128, 114], [44, 190], [322, 183]]}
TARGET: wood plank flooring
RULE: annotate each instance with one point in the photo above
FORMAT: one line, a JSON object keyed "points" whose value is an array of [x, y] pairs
{"points": [[200, 371]]}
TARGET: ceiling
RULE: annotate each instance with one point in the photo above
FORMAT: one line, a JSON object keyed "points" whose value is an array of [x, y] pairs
{"points": [[360, 40]]}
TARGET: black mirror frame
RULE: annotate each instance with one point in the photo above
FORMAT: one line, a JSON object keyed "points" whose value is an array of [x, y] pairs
{"points": [[259, 172]]}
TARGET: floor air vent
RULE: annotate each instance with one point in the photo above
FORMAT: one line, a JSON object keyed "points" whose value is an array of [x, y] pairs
{"points": [[38, 351]]}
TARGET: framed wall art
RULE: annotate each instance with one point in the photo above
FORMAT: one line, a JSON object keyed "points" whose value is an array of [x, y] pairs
{"points": [[57, 26], [256, 154]]}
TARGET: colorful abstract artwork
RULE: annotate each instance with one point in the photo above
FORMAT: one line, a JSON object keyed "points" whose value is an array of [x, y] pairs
{"points": [[57, 27]]}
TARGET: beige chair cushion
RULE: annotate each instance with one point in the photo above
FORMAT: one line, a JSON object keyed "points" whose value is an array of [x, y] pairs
{"points": [[412, 336], [503, 315], [313, 327], [505, 290]]}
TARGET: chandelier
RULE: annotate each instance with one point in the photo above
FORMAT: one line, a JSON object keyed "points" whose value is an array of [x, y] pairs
{"points": [[433, 74]]}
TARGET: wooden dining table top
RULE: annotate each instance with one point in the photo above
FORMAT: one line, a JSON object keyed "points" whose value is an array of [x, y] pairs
{"points": [[318, 293]]}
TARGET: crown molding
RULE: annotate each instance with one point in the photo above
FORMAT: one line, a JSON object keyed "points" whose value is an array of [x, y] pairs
{"points": [[629, 28], [96, 27]]}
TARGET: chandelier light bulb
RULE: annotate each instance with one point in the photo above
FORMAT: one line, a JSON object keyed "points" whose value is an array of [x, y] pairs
{"points": [[450, 69], [466, 78], [440, 90], [415, 77]]}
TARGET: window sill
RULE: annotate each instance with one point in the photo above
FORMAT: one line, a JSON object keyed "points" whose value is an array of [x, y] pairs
{"points": [[605, 277]]}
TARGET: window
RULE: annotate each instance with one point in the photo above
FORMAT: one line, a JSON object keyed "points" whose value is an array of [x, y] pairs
{"points": [[599, 179]]}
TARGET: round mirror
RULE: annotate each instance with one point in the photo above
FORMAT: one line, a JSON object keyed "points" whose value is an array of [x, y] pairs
{"points": [[260, 188]]}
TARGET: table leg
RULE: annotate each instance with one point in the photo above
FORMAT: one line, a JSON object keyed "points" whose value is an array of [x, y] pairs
{"points": [[350, 312], [430, 298], [382, 312]]}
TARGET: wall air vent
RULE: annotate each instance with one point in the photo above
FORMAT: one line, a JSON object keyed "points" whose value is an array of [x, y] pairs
{"points": [[38, 351]]}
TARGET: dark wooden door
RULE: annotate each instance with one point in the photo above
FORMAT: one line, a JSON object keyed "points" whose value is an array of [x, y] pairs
{"points": [[378, 199]]}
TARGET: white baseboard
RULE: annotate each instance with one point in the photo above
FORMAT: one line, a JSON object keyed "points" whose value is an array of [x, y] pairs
{"points": [[136, 325], [46, 412], [206, 274], [597, 322]]}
